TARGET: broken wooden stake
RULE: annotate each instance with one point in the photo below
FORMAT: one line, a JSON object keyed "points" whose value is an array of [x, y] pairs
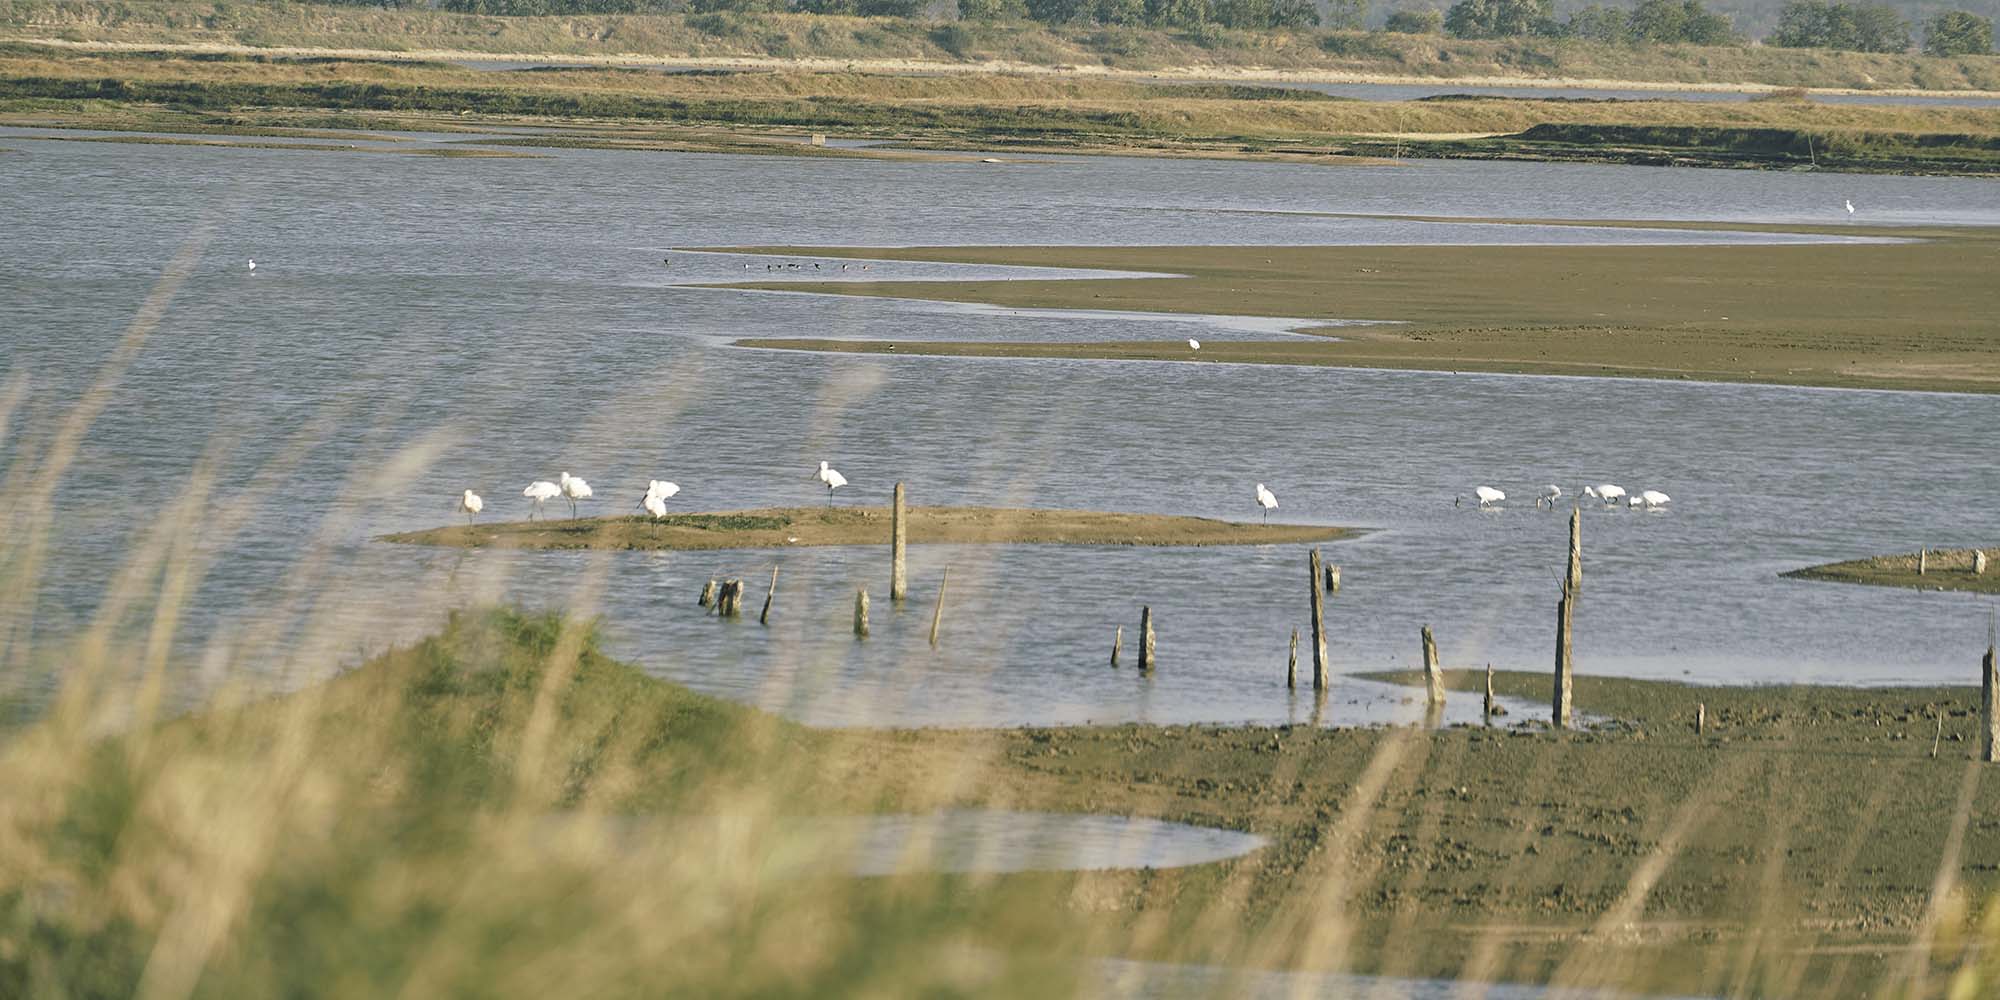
{"points": [[1989, 719], [1433, 676], [1923, 561], [1332, 579], [937, 616], [764, 616], [1117, 643], [861, 612], [1318, 624], [899, 582], [1562, 709], [1700, 719], [1292, 663], [1939, 737], [1489, 694], [1146, 648], [707, 598], [729, 599]]}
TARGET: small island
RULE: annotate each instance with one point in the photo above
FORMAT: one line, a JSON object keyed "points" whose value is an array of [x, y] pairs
{"points": [[1944, 569], [781, 527]]}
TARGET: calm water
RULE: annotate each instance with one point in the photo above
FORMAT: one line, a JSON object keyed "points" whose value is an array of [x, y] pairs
{"points": [[501, 320]]}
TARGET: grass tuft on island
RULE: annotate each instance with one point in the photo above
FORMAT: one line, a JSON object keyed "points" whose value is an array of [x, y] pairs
{"points": [[780, 527], [1945, 569]]}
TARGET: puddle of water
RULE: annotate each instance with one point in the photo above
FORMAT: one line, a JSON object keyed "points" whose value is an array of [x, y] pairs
{"points": [[1129, 980], [959, 841]]}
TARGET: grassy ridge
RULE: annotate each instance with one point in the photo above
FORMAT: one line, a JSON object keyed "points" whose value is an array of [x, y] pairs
{"points": [[791, 36]]}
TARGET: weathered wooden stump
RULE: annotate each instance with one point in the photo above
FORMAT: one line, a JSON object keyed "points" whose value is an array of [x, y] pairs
{"points": [[1488, 714], [1433, 674], [1938, 737], [764, 616], [707, 599], [1701, 719], [1562, 708], [1332, 579], [1923, 561], [899, 580], [1320, 666], [1147, 649], [1117, 644], [937, 615], [861, 612], [1989, 718], [729, 599], [1292, 663]]}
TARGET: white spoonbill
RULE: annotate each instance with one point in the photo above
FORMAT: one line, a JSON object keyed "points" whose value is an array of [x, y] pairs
{"points": [[661, 488], [1194, 344], [654, 505], [1550, 494], [253, 265], [1653, 498], [832, 478], [1850, 207], [1484, 494], [540, 491], [469, 504], [1607, 492], [1267, 500], [573, 489]]}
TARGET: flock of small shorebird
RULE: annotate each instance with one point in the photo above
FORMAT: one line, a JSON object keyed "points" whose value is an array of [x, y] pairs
{"points": [[658, 491], [574, 488]]}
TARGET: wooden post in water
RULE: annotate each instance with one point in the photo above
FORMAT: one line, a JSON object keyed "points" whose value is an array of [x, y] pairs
{"points": [[729, 599], [1146, 648], [1489, 694], [861, 612], [1318, 624], [1332, 579], [1433, 675], [1292, 663], [707, 599], [1701, 719], [1117, 644], [764, 617], [1923, 560], [1989, 718], [937, 617], [899, 581], [1562, 708]]}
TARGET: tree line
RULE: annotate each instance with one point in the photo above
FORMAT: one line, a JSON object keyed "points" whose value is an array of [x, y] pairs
{"points": [[1817, 24]]}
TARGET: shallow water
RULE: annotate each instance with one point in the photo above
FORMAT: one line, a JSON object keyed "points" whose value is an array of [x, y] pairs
{"points": [[1131, 980], [520, 311]]}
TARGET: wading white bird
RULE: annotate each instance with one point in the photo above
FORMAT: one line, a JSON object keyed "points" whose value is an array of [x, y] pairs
{"points": [[469, 504], [573, 489], [1653, 498], [1193, 343], [833, 480], [1550, 494], [1850, 206], [654, 505], [1484, 494], [1607, 492], [540, 491], [253, 265], [1267, 500], [661, 488]]}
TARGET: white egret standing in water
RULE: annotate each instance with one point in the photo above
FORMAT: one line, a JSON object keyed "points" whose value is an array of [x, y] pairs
{"points": [[573, 489], [1850, 207], [469, 504], [253, 265], [833, 480], [1267, 500], [540, 491], [1193, 343]]}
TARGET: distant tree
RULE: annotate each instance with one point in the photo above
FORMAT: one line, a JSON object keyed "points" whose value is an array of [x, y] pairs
{"points": [[1496, 18], [1178, 13], [1119, 11], [1340, 15], [992, 10], [890, 8], [1957, 33], [1416, 22], [1597, 23], [1817, 24], [1056, 11], [1672, 21]]}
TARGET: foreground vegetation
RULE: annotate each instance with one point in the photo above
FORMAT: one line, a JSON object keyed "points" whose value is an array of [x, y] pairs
{"points": [[635, 109], [887, 43], [445, 820], [849, 525], [1912, 315]]}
